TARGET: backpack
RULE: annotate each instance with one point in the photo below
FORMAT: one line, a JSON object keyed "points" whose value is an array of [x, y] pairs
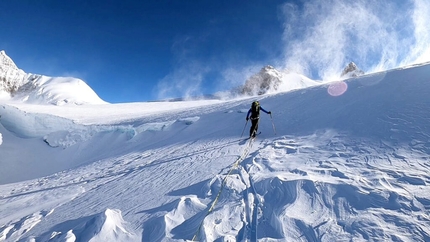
{"points": [[255, 109]]}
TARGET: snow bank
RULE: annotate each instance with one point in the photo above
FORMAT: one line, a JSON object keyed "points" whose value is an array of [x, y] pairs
{"points": [[106, 226], [28, 125], [62, 132], [55, 131]]}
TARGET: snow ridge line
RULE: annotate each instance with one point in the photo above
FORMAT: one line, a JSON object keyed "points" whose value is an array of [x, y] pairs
{"points": [[245, 153]]}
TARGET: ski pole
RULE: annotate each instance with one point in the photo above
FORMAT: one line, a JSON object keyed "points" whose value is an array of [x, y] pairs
{"points": [[244, 128], [273, 125]]}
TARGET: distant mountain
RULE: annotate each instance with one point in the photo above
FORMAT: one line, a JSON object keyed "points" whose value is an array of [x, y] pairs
{"points": [[11, 78], [16, 85], [351, 70], [270, 79]]}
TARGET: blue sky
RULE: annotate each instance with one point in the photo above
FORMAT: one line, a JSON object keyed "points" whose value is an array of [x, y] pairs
{"points": [[131, 51]]}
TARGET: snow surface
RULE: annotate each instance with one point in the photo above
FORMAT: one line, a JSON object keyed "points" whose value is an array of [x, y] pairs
{"points": [[294, 81], [346, 161]]}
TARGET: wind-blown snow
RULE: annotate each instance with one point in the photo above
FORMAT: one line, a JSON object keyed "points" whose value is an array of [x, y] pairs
{"points": [[347, 167]]}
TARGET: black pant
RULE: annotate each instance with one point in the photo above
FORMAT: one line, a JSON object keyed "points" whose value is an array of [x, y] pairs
{"points": [[254, 127]]}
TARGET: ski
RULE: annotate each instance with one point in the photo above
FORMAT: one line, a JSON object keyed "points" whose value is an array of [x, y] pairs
{"points": [[255, 135], [244, 140]]}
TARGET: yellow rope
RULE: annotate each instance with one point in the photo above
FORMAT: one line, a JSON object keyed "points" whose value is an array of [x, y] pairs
{"points": [[235, 165]]}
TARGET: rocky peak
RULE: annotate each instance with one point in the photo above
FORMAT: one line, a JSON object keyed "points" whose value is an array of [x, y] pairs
{"points": [[11, 77], [6, 61], [268, 78], [351, 70]]}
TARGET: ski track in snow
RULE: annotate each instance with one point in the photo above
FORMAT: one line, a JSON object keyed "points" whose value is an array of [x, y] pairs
{"points": [[345, 170]]}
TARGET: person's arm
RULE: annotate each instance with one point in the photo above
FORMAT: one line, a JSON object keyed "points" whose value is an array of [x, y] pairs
{"points": [[247, 115], [268, 112]]}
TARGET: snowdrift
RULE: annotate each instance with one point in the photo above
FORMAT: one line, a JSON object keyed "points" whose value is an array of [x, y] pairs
{"points": [[106, 226], [349, 161]]}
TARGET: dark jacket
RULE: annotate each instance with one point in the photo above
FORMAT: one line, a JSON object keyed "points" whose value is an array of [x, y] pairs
{"points": [[255, 115]]}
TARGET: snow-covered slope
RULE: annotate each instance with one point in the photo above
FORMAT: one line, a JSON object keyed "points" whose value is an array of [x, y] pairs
{"points": [[56, 90], [18, 86], [347, 167]]}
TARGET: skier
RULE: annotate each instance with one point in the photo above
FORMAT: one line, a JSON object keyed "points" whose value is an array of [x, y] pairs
{"points": [[255, 116]]}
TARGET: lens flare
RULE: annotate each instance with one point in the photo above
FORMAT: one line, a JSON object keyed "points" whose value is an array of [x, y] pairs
{"points": [[337, 89]]}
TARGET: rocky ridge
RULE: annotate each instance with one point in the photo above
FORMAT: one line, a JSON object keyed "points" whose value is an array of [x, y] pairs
{"points": [[269, 80], [351, 70], [11, 77]]}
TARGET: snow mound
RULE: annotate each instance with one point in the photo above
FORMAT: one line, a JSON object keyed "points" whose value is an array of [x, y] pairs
{"points": [[19, 86], [13, 231], [56, 90], [181, 219], [186, 207], [106, 226], [226, 222]]}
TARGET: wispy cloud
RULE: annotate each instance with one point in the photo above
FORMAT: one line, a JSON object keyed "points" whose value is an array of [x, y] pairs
{"points": [[420, 51], [235, 76], [185, 81], [188, 72], [322, 36]]}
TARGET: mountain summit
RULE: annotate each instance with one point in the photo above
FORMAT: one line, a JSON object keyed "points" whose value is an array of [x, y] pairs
{"points": [[351, 70], [18, 86], [269, 79], [11, 77]]}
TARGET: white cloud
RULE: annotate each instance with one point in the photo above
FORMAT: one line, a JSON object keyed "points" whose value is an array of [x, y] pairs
{"points": [[322, 36], [420, 52], [235, 76], [185, 81]]}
